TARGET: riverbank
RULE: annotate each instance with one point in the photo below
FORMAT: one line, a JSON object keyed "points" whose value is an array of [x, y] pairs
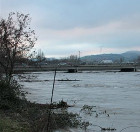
{"points": [[19, 115], [32, 117]]}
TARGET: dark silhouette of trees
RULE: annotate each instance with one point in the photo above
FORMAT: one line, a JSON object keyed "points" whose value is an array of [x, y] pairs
{"points": [[16, 40], [138, 60]]}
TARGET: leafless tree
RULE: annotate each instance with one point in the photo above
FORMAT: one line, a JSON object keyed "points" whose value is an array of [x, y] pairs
{"points": [[73, 59], [40, 55], [16, 39]]}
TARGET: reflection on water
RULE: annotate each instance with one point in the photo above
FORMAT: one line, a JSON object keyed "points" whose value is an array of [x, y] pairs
{"points": [[116, 93]]}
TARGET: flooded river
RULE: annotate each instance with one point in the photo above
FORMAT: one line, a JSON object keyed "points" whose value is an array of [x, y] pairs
{"points": [[115, 96]]}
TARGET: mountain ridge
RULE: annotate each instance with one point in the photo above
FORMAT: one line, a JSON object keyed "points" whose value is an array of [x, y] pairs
{"points": [[128, 56]]}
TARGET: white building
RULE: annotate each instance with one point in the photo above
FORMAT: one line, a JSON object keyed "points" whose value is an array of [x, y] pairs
{"points": [[106, 61]]}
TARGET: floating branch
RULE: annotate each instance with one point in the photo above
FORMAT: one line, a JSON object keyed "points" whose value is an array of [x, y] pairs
{"points": [[106, 129], [67, 80]]}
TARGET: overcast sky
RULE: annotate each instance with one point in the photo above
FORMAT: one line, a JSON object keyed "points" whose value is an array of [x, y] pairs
{"points": [[65, 27]]}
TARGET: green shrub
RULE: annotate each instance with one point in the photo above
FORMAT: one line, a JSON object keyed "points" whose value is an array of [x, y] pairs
{"points": [[10, 94], [61, 120], [8, 125]]}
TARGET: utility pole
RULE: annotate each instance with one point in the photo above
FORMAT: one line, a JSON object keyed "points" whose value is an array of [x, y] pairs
{"points": [[79, 56]]}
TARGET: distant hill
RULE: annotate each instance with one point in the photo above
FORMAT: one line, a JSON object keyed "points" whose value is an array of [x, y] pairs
{"points": [[131, 55], [128, 56]]}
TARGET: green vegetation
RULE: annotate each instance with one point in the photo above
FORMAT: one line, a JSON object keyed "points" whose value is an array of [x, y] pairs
{"points": [[10, 94], [19, 115], [8, 125]]}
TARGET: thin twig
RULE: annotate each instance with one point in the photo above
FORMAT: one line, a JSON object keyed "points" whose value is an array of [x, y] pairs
{"points": [[49, 114], [53, 86]]}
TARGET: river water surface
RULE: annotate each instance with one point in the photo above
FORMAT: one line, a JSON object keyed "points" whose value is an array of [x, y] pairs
{"points": [[114, 95]]}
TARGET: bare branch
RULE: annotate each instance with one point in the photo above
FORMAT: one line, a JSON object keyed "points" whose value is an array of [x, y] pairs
{"points": [[16, 39]]}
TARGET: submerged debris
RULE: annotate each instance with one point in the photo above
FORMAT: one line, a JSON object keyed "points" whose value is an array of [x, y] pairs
{"points": [[108, 129], [67, 80]]}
